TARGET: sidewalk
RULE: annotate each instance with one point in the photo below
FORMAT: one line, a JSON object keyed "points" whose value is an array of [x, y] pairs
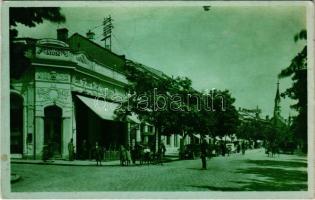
{"points": [[65, 162], [78, 162]]}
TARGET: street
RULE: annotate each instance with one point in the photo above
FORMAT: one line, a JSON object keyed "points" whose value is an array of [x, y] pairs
{"points": [[253, 171]]}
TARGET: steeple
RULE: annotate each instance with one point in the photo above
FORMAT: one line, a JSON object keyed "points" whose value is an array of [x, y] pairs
{"points": [[276, 111]]}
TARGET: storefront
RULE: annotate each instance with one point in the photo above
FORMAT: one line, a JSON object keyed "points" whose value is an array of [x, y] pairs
{"points": [[54, 102]]}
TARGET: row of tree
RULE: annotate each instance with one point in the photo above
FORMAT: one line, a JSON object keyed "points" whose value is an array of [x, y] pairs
{"points": [[174, 107]]}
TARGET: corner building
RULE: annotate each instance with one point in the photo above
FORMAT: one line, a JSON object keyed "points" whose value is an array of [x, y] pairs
{"points": [[70, 90]]}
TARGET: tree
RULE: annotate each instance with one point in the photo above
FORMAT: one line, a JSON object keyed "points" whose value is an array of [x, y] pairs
{"points": [[181, 109], [170, 104], [253, 129], [298, 73], [225, 114], [28, 16]]}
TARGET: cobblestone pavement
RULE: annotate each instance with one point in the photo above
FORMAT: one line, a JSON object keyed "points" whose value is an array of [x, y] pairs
{"points": [[253, 171]]}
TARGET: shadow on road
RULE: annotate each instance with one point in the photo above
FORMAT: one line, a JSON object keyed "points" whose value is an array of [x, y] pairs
{"points": [[213, 188], [271, 175], [256, 185], [275, 163], [275, 179]]}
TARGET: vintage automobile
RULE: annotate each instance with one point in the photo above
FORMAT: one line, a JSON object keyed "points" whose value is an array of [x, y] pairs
{"points": [[190, 151]]}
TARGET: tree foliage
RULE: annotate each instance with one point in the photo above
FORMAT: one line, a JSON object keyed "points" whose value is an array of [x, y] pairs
{"points": [[30, 17], [226, 115], [184, 110], [298, 73]]}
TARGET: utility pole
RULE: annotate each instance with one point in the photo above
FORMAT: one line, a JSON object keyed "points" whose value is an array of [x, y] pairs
{"points": [[107, 32]]}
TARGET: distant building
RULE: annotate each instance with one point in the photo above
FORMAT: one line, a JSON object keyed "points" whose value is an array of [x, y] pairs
{"points": [[277, 118]]}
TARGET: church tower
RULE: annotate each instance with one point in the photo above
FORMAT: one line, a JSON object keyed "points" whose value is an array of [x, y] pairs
{"points": [[276, 111]]}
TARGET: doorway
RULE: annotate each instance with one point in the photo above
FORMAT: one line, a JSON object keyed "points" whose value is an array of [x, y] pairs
{"points": [[52, 136], [16, 124]]}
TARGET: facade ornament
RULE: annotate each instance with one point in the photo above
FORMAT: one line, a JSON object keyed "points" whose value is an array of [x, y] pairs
{"points": [[52, 76], [53, 94]]}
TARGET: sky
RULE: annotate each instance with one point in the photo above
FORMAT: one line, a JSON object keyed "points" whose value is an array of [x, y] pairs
{"points": [[238, 48]]}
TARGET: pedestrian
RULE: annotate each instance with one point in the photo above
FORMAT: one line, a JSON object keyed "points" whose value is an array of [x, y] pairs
{"points": [[133, 152], [85, 150], [122, 156], [203, 155], [71, 150], [45, 155], [161, 153], [141, 153], [128, 156], [98, 154], [147, 154], [210, 150], [223, 148], [243, 148], [163, 149], [238, 148]]}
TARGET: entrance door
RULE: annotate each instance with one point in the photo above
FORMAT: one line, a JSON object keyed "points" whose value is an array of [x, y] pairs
{"points": [[16, 124], [52, 136]]}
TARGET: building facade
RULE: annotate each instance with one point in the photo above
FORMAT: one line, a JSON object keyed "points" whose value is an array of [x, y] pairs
{"points": [[67, 93]]}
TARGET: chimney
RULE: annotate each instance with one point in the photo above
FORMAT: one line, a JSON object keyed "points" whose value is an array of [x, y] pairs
{"points": [[62, 34], [90, 35]]}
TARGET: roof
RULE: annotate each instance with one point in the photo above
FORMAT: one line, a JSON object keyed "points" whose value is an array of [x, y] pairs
{"points": [[96, 52], [151, 70]]}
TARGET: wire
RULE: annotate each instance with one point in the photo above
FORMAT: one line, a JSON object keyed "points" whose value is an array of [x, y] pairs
{"points": [[121, 46], [95, 27]]}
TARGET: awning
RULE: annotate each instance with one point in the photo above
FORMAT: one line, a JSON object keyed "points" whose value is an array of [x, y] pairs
{"points": [[134, 117], [103, 109], [197, 136]]}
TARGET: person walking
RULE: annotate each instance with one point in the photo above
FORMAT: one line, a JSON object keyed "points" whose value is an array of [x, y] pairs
{"points": [[98, 154], [122, 156], [243, 148], [71, 150], [128, 156], [203, 155], [161, 153]]}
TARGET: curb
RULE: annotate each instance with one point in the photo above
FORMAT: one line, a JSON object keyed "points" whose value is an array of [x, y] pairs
{"points": [[15, 178]]}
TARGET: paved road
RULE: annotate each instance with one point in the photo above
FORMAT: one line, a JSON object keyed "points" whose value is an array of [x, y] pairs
{"points": [[251, 172]]}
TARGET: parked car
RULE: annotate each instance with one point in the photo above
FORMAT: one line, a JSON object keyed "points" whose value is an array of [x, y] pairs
{"points": [[190, 151]]}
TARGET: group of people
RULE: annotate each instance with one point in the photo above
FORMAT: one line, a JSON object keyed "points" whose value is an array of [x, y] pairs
{"points": [[222, 148], [208, 150], [143, 153], [127, 155], [86, 152], [272, 148]]}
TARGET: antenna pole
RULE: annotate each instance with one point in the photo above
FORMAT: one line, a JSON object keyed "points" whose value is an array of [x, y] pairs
{"points": [[107, 32]]}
